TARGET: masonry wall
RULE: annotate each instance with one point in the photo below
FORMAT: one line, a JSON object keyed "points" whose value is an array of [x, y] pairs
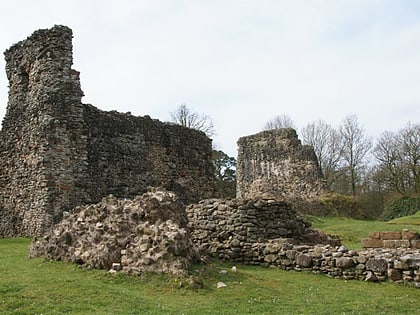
{"points": [[57, 153], [403, 239], [232, 229], [269, 233], [274, 164]]}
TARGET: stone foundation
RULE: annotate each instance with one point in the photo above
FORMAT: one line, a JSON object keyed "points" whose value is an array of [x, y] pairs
{"points": [[403, 239]]}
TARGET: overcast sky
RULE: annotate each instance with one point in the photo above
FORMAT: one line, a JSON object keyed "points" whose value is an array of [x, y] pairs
{"points": [[240, 62]]}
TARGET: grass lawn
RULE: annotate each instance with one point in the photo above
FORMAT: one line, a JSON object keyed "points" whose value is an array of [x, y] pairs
{"points": [[411, 219], [39, 287], [352, 231]]}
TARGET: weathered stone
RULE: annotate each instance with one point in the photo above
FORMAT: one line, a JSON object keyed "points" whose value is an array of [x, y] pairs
{"points": [[274, 164], [390, 235], [374, 235], [372, 243], [57, 153], [116, 266], [270, 258], [220, 285], [407, 235], [415, 244], [134, 245], [291, 254], [304, 260], [394, 274], [370, 276], [377, 265], [401, 265], [344, 263]]}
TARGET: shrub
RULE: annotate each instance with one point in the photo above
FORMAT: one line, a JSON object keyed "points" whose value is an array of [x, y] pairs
{"points": [[401, 207], [341, 205]]}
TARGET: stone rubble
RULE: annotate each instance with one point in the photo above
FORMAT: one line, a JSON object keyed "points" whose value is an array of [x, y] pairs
{"points": [[146, 234]]}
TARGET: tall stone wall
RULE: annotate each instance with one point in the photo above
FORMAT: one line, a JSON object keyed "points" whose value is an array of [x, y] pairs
{"points": [[57, 153], [274, 164]]}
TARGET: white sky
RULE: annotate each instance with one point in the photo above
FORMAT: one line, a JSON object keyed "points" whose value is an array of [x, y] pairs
{"points": [[241, 62]]}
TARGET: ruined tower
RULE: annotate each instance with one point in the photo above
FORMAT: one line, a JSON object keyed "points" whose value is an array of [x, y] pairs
{"points": [[274, 164], [57, 153]]}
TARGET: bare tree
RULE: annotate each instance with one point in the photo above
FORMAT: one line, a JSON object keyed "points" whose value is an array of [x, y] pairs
{"points": [[185, 117], [398, 156], [390, 173], [326, 142], [280, 121], [410, 142], [355, 146]]}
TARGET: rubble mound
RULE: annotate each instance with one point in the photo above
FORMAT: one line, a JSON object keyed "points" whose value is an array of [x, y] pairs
{"points": [[144, 234]]}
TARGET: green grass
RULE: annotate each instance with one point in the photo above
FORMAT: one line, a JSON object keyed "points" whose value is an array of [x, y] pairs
{"points": [[411, 219], [39, 287], [352, 231]]}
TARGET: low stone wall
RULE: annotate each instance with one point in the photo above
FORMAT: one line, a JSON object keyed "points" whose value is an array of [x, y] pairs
{"points": [[395, 265], [269, 233], [403, 239], [229, 229]]}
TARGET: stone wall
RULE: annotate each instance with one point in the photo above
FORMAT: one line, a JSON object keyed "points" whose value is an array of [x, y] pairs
{"points": [[234, 229], [403, 239], [274, 164], [269, 233], [57, 153]]}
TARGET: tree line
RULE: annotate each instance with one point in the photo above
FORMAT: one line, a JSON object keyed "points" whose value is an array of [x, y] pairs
{"points": [[352, 163]]}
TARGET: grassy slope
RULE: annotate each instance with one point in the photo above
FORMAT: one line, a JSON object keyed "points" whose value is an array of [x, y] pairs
{"points": [[352, 231], [36, 286], [411, 219]]}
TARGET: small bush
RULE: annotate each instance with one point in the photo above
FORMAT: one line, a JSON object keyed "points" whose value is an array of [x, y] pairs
{"points": [[335, 204], [401, 207]]}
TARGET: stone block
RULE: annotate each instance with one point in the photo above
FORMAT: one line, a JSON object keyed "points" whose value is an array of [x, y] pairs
{"points": [[304, 260], [402, 243], [270, 258], [401, 265], [374, 235], [372, 243], [390, 243], [407, 235], [390, 235], [344, 263], [377, 265], [291, 253], [415, 244], [394, 275]]}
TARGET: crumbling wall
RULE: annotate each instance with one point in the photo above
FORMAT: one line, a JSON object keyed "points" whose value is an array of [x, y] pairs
{"points": [[274, 164], [235, 229], [57, 153]]}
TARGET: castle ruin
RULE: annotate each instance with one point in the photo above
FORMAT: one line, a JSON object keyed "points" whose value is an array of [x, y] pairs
{"points": [[57, 153], [274, 164]]}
